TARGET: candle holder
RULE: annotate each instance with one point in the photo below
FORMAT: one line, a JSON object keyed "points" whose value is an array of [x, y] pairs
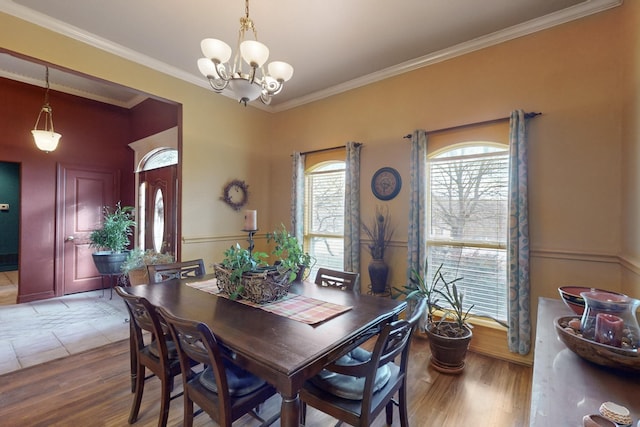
{"points": [[250, 239]]}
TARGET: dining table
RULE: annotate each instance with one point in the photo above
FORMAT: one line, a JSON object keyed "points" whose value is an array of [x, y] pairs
{"points": [[279, 348]]}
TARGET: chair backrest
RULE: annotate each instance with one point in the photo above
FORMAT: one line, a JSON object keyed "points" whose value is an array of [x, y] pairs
{"points": [[393, 340], [177, 270], [344, 280], [144, 318], [195, 341]]}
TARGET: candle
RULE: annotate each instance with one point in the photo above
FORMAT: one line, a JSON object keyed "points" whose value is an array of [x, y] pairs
{"points": [[250, 220], [609, 329]]}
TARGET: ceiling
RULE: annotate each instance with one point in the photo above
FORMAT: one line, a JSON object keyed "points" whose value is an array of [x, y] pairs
{"points": [[333, 45]]}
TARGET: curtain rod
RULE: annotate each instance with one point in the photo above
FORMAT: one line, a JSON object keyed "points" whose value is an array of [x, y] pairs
{"points": [[320, 150], [486, 122]]}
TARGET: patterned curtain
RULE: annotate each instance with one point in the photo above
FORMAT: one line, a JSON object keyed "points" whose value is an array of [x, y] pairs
{"points": [[519, 334], [417, 238], [352, 208], [297, 196]]}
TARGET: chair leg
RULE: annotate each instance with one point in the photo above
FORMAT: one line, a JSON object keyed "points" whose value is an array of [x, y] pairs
{"points": [[165, 401], [137, 398], [402, 405], [188, 409], [389, 413], [303, 412]]}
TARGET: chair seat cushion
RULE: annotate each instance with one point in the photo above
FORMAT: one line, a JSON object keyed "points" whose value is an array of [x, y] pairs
{"points": [[240, 381], [171, 349], [346, 386]]}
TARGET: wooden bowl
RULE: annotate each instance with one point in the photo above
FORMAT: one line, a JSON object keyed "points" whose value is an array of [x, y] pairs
{"points": [[600, 354], [571, 297]]}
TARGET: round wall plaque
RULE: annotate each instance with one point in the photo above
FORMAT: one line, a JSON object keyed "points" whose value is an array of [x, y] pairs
{"points": [[386, 183]]}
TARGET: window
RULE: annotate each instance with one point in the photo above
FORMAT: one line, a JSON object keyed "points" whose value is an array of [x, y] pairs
{"points": [[467, 228], [324, 215]]}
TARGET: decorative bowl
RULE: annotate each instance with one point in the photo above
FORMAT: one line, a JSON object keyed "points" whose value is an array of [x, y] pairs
{"points": [[571, 297], [600, 354]]}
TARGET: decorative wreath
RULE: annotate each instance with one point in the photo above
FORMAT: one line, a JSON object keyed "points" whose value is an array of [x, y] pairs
{"points": [[240, 186]]}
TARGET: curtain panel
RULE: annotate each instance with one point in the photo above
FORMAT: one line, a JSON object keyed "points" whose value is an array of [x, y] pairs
{"points": [[352, 208], [519, 335]]}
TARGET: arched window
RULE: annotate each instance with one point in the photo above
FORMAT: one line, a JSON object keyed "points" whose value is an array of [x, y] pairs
{"points": [[467, 221], [324, 214]]}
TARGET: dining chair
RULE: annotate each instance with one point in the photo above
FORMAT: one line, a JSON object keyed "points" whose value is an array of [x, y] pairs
{"points": [[223, 390], [154, 350], [176, 270], [344, 280], [356, 388]]}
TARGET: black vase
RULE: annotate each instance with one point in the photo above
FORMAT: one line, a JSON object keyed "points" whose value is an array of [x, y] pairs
{"points": [[378, 272]]}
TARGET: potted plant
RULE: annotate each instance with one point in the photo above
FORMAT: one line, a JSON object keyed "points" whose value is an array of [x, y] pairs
{"points": [[290, 254], [135, 266], [112, 238], [445, 318], [380, 233]]}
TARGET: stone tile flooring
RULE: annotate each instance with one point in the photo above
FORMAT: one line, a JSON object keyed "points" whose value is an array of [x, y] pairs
{"points": [[36, 332]]}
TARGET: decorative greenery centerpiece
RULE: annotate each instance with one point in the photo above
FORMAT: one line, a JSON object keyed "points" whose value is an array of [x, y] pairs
{"points": [[246, 274], [290, 254]]}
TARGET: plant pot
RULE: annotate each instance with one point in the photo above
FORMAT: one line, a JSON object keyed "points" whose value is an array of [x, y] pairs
{"points": [[378, 272], [109, 263], [138, 276], [448, 353]]}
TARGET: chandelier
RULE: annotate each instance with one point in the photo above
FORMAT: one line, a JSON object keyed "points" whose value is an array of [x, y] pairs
{"points": [[246, 86], [46, 139]]}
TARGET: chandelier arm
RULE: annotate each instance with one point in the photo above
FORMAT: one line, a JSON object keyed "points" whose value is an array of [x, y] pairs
{"points": [[218, 85]]}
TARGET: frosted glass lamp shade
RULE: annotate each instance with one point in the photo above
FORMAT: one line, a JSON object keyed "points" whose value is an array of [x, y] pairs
{"points": [[46, 140], [207, 68], [254, 53], [244, 91], [216, 50], [280, 71]]}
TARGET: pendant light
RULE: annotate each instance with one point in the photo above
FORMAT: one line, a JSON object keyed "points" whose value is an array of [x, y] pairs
{"points": [[46, 139]]}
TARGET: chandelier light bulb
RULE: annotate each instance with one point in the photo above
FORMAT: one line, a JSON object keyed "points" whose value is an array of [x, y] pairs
{"points": [[246, 84]]}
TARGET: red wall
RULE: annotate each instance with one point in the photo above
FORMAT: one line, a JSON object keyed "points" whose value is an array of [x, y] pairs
{"points": [[93, 134]]}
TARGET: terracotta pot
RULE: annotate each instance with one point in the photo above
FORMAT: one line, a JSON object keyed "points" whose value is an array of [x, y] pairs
{"points": [[138, 276], [448, 353], [378, 272]]}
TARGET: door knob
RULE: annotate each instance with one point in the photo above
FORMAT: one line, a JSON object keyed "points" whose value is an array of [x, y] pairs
{"points": [[69, 239]]}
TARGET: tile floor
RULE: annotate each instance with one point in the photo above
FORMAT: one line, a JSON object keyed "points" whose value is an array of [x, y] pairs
{"points": [[36, 332]]}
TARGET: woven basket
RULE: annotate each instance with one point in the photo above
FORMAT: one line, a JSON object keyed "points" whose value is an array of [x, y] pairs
{"points": [[259, 287]]}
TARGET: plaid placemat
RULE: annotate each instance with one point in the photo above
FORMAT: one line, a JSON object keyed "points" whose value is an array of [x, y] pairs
{"points": [[292, 306]]}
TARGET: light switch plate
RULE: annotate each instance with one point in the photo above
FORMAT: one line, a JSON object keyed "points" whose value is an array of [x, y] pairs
{"points": [[4, 206]]}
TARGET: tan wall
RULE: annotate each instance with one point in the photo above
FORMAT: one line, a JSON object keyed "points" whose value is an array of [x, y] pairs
{"points": [[630, 23], [576, 75], [582, 76]]}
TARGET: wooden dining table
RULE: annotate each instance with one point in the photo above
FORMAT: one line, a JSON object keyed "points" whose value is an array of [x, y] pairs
{"points": [[282, 351]]}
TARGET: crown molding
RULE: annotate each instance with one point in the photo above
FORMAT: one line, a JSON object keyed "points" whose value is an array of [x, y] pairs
{"points": [[588, 7], [572, 13]]}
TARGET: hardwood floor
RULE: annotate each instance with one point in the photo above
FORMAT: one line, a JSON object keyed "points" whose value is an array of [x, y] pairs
{"points": [[93, 389]]}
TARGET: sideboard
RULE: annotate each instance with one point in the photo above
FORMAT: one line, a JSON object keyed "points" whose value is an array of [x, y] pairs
{"points": [[566, 387]]}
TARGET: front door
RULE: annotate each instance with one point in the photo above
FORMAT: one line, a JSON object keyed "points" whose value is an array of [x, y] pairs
{"points": [[160, 209], [83, 193]]}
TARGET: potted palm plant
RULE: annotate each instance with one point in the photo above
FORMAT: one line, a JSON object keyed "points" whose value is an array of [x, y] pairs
{"points": [[380, 233], [446, 318], [112, 238]]}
